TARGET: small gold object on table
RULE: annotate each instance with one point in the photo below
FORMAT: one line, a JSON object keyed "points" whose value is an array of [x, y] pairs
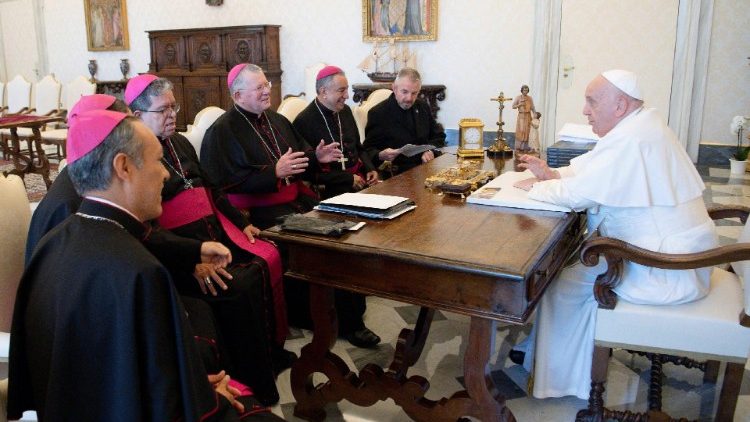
{"points": [[460, 179], [470, 138], [500, 148]]}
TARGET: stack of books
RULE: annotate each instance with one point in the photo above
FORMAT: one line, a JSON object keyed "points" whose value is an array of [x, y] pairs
{"points": [[367, 205]]}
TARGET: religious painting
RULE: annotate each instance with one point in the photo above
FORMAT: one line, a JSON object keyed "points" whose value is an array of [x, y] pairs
{"points": [[106, 25], [399, 20]]}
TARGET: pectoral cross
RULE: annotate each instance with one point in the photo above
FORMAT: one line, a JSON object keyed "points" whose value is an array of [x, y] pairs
{"points": [[343, 161]]}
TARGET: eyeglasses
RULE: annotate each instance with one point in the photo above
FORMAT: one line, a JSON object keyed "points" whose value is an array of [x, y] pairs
{"points": [[164, 111], [260, 87]]}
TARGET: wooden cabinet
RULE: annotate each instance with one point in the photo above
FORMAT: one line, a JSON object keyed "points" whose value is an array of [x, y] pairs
{"points": [[197, 62]]}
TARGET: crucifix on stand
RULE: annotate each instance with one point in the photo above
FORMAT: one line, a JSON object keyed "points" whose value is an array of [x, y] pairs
{"points": [[500, 148]]}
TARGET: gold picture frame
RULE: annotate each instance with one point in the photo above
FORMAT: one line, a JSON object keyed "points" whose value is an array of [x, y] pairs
{"points": [[394, 23], [106, 25]]}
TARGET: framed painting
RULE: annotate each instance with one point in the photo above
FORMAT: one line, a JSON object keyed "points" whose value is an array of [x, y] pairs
{"points": [[399, 20], [106, 25]]}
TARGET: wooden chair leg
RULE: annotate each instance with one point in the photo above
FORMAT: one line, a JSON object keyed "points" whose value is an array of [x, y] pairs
{"points": [[655, 381], [730, 390], [599, 365], [712, 371]]}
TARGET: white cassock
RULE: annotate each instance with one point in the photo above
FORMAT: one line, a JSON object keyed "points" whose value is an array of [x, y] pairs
{"points": [[638, 185]]}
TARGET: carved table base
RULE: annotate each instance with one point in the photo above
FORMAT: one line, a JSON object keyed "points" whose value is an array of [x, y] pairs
{"points": [[481, 399]]}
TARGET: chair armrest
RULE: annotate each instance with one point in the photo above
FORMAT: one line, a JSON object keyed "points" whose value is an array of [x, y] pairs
{"points": [[718, 212], [616, 251]]}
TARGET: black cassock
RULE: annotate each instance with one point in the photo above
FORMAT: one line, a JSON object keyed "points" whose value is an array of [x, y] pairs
{"points": [[180, 255], [99, 332], [311, 125], [390, 126], [237, 160], [244, 312]]}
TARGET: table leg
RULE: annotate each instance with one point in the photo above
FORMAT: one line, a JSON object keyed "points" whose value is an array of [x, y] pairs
{"points": [[43, 167], [490, 404], [316, 357], [481, 399], [19, 168], [410, 343]]}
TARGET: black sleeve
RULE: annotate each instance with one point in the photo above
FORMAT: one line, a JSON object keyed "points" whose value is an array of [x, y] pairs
{"points": [[175, 252]]}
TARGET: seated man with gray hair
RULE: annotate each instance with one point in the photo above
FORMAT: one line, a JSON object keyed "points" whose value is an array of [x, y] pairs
{"points": [[402, 119], [98, 330]]}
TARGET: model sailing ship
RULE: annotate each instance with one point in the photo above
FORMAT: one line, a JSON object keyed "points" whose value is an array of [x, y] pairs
{"points": [[386, 59]]}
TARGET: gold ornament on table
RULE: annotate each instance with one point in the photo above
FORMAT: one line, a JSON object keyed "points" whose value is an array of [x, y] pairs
{"points": [[500, 148], [470, 138], [460, 179]]}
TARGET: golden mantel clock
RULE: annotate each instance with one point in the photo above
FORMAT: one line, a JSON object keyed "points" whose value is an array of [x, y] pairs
{"points": [[470, 138]]}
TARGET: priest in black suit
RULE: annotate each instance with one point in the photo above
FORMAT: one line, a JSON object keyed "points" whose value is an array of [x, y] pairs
{"points": [[402, 119]]}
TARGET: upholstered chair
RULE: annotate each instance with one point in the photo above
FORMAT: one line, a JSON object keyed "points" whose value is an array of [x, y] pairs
{"points": [[15, 216], [291, 106], [18, 102], [714, 328], [203, 120], [46, 95], [71, 93], [360, 111]]}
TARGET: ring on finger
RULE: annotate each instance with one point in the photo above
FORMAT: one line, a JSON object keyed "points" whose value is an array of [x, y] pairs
{"points": [[208, 281], [294, 166]]}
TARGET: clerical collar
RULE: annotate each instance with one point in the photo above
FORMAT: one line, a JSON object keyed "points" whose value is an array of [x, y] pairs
{"points": [[323, 108], [248, 114], [104, 209]]}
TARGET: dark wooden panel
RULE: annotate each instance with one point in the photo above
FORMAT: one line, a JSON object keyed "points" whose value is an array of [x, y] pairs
{"points": [[197, 60], [205, 52], [200, 93]]}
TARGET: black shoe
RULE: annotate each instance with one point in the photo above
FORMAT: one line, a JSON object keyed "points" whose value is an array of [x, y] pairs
{"points": [[363, 338], [282, 359], [516, 356]]}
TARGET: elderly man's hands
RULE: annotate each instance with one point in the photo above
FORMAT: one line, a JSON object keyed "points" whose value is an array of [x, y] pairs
{"points": [[251, 231], [220, 382], [328, 153], [209, 276], [215, 253], [389, 154], [537, 166], [291, 163]]}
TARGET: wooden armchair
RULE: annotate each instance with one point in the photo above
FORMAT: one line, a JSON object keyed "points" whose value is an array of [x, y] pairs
{"points": [[712, 328], [46, 94], [18, 102]]}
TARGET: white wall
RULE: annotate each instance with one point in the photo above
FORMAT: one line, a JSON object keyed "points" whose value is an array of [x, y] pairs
{"points": [[728, 85], [19, 40], [475, 64]]}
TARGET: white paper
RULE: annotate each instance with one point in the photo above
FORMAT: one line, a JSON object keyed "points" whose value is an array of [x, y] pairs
{"points": [[366, 200], [577, 133], [500, 192], [410, 150]]}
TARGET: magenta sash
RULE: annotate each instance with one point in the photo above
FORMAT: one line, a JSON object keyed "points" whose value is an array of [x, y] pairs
{"points": [[286, 193], [191, 205]]}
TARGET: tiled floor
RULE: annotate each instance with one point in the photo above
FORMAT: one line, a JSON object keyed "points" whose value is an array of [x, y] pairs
{"points": [[685, 395]]}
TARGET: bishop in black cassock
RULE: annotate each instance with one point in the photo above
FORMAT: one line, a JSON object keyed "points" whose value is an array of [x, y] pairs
{"points": [[98, 331], [192, 209]]}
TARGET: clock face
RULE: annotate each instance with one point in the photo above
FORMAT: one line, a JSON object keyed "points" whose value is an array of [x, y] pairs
{"points": [[472, 138]]}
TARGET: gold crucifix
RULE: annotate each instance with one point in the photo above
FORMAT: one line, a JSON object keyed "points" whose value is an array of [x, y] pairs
{"points": [[500, 147]]}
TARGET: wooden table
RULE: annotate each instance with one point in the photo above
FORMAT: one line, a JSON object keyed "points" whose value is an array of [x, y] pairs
{"points": [[489, 263], [34, 162]]}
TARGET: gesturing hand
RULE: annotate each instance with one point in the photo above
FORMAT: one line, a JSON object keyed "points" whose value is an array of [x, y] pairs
{"points": [[328, 153], [291, 163], [537, 166]]}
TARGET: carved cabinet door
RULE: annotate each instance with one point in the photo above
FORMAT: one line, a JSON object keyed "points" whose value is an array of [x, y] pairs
{"points": [[200, 93]]}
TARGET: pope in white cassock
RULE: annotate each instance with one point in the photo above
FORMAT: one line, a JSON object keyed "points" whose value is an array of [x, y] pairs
{"points": [[638, 185]]}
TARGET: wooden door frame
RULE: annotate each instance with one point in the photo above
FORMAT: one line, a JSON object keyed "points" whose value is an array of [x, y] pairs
{"points": [[690, 68]]}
